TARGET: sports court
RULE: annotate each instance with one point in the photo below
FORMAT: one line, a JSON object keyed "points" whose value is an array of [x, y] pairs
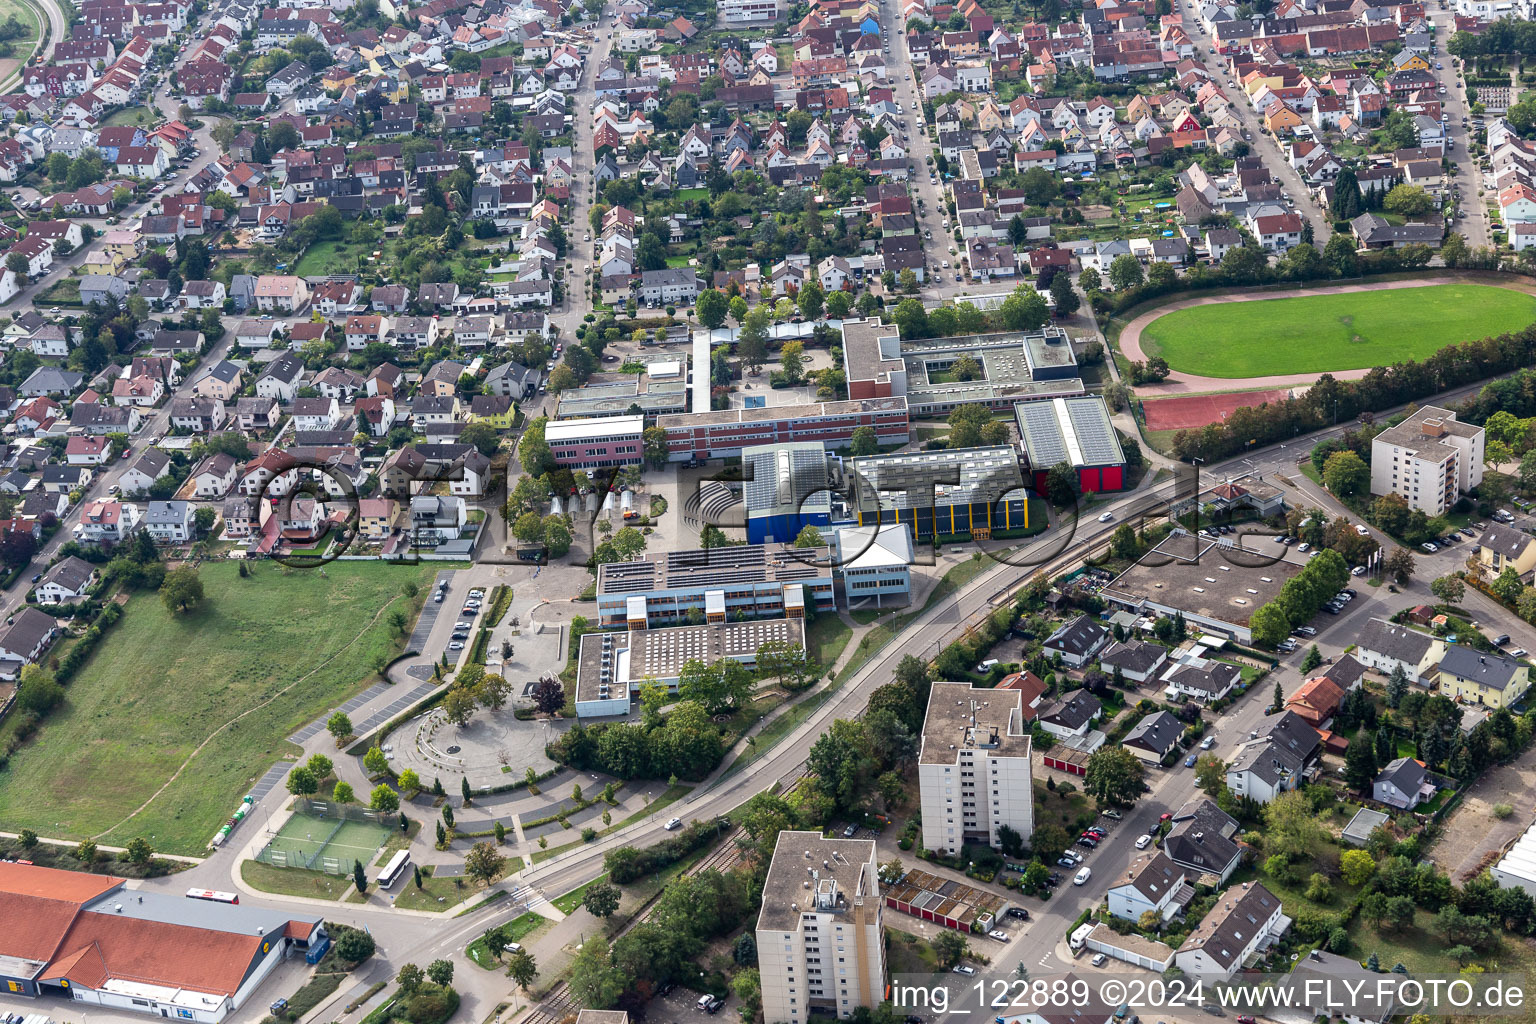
{"points": [[326, 838], [1189, 412]]}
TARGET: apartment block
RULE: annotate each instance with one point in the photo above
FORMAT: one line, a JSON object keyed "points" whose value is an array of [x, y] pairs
{"points": [[974, 768], [1430, 458], [820, 943]]}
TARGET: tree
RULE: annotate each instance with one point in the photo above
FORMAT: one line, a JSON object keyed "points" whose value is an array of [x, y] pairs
{"points": [[712, 307], [1311, 659], [1356, 866], [1061, 483], [1449, 589], [459, 705], [302, 782], [1408, 201], [949, 947], [654, 445], [966, 368], [1065, 296], [140, 853], [811, 300], [522, 968], [343, 794], [1346, 474], [441, 972], [1114, 776], [359, 877], [1292, 829], [482, 435], [375, 763], [384, 799], [549, 695], [595, 980], [410, 979], [792, 361], [182, 589], [838, 304], [1023, 310], [1125, 272], [1399, 565], [409, 780], [1211, 774], [1360, 766], [865, 441], [483, 863], [601, 900]]}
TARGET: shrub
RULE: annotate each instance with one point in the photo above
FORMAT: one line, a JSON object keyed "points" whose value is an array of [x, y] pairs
{"points": [[1502, 811]]}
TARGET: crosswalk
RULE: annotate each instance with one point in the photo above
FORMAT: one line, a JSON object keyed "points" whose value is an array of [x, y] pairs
{"points": [[528, 896]]}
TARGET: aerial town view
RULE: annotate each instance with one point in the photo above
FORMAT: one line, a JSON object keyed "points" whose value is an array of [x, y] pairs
{"points": [[520, 511]]}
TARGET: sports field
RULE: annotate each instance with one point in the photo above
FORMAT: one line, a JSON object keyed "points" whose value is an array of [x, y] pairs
{"points": [[324, 844], [1339, 331]]}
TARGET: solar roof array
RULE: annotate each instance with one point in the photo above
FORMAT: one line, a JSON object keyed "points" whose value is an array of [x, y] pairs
{"points": [[1074, 430]]}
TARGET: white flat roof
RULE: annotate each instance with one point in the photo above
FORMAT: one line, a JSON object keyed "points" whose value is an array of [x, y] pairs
{"points": [[1520, 860], [600, 426]]}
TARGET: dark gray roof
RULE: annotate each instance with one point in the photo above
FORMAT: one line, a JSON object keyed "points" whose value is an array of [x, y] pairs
{"points": [[1229, 927], [1201, 837], [71, 573], [1506, 540], [1132, 656], [1390, 640], [1490, 670], [1345, 672], [1073, 711], [1405, 773], [1078, 636], [1215, 678], [1157, 732]]}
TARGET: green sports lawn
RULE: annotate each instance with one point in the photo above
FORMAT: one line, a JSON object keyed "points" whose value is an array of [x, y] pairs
{"points": [[1340, 331], [159, 685]]}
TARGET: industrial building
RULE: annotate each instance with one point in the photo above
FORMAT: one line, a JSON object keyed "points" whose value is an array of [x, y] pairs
{"points": [[974, 767], [1216, 584], [724, 433], [786, 487], [713, 584], [971, 491], [87, 938], [1015, 367], [1076, 431], [1517, 868], [820, 940], [611, 666], [595, 443]]}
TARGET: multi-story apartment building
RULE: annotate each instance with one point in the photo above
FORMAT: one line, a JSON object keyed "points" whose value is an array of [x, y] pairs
{"points": [[1430, 458], [973, 771], [820, 943], [757, 581], [740, 13]]}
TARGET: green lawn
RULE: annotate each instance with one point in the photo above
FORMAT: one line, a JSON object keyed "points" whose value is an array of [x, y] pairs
{"points": [[295, 881], [1346, 331], [159, 686], [327, 258]]}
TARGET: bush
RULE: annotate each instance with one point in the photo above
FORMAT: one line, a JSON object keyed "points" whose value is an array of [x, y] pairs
{"points": [[1502, 811], [627, 863], [431, 1005]]}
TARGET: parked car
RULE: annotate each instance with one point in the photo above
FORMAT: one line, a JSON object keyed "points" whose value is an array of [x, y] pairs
{"points": [[1208, 743], [1066, 862], [1099, 960], [999, 935], [1189, 762], [964, 969], [1081, 878], [1112, 814], [1144, 841], [850, 831], [1018, 912]]}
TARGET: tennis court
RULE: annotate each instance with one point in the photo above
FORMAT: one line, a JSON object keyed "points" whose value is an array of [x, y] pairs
{"points": [[320, 841]]}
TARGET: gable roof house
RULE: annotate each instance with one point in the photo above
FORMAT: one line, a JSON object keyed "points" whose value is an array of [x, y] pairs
{"points": [[1152, 883], [1077, 641], [1404, 784], [1154, 737], [1202, 839], [1384, 645], [1243, 922], [1275, 760]]}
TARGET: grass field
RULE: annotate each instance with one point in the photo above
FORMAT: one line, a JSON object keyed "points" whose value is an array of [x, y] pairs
{"points": [[158, 686], [1344, 331], [327, 258]]}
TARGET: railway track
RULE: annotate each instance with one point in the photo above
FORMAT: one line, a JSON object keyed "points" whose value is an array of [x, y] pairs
{"points": [[559, 1003]]}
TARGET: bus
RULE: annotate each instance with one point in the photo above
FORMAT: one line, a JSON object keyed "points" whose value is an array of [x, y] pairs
{"points": [[394, 869], [213, 895]]}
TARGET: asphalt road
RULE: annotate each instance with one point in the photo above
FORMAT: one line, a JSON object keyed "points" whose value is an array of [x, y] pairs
{"points": [[1260, 141]]}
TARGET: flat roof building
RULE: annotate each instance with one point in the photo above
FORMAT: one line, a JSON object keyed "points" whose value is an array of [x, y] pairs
{"points": [[1431, 459], [595, 443], [873, 562], [975, 491], [1214, 583], [820, 940], [786, 487], [1014, 367], [724, 433], [611, 666], [974, 774], [713, 584], [1076, 431]]}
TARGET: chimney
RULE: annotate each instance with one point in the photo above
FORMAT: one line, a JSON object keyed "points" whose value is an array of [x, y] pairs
{"points": [[1434, 426]]}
